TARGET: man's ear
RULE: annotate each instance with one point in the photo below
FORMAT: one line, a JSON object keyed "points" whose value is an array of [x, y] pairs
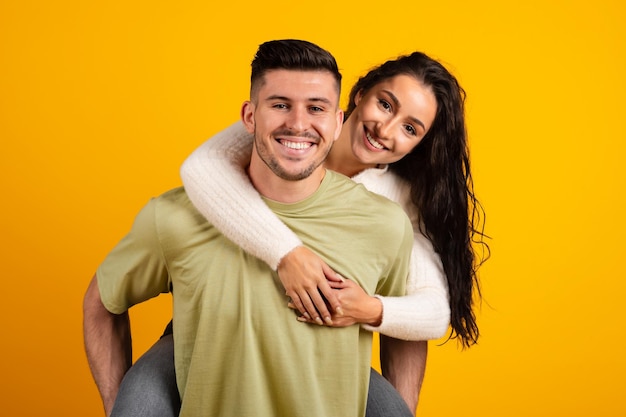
{"points": [[340, 117], [247, 116]]}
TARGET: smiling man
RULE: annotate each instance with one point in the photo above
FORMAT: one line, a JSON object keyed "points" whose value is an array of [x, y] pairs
{"points": [[239, 349], [295, 118]]}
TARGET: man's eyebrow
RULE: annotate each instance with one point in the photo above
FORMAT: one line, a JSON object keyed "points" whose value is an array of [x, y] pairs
{"points": [[322, 99], [397, 103], [312, 99], [277, 97]]}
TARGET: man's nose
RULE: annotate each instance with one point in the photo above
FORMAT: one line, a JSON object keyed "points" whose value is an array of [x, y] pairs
{"points": [[298, 119]]}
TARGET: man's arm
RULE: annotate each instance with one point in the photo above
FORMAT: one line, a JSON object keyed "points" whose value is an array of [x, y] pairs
{"points": [[107, 344], [403, 363]]}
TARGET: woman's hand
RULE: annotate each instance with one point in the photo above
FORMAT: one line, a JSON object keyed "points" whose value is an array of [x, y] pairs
{"points": [[306, 279], [357, 306]]}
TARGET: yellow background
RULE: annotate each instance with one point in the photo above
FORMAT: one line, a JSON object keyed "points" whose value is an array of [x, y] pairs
{"points": [[100, 102]]}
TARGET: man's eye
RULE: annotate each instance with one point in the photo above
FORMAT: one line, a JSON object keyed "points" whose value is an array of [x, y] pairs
{"points": [[316, 109], [280, 106]]}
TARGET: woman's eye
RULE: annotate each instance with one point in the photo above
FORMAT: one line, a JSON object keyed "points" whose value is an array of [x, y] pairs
{"points": [[384, 104], [411, 130]]}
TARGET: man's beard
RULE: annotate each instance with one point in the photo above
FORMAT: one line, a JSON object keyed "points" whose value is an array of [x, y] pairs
{"points": [[272, 162]]}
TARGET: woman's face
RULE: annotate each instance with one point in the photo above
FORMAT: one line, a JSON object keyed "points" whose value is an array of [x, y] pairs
{"points": [[391, 119]]}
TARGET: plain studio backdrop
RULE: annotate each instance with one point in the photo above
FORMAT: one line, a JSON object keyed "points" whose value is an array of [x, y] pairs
{"points": [[100, 102]]}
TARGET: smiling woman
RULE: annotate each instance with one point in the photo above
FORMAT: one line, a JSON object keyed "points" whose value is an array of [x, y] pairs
{"points": [[390, 119]]}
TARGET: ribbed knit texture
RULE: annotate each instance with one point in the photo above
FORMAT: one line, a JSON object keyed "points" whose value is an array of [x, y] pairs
{"points": [[216, 182]]}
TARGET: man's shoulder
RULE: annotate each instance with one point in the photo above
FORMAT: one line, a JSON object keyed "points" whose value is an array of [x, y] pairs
{"points": [[369, 208], [174, 199], [356, 191], [172, 195], [173, 207]]}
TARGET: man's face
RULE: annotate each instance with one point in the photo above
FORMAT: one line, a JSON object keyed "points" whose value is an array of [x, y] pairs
{"points": [[295, 119]]}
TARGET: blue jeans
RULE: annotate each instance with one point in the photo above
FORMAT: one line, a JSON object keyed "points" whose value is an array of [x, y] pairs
{"points": [[149, 388]]}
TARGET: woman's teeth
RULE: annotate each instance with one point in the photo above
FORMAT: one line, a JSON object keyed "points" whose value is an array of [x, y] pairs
{"points": [[373, 142]]}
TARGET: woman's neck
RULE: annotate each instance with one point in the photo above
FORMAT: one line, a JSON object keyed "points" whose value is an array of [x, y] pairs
{"points": [[341, 158]]}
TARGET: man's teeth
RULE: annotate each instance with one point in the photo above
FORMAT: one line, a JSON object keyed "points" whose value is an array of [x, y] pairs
{"points": [[373, 142], [296, 145]]}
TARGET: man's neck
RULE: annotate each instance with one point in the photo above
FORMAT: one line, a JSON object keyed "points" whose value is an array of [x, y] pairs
{"points": [[269, 185]]}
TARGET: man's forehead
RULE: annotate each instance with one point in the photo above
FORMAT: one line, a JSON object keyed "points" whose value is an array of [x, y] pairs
{"points": [[309, 84]]}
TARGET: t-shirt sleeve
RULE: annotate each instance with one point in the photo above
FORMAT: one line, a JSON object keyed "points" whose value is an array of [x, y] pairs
{"points": [[135, 270]]}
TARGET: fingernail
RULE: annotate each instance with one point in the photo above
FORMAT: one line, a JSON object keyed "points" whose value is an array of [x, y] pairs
{"points": [[307, 316], [328, 320], [340, 277], [319, 321], [339, 311], [302, 319]]}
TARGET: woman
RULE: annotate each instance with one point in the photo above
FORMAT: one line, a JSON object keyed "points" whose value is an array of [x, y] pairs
{"points": [[404, 137]]}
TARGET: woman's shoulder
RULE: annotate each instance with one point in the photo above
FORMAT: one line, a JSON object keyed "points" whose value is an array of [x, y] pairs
{"points": [[384, 182]]}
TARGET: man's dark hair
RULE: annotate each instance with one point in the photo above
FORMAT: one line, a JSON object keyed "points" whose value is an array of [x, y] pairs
{"points": [[291, 54]]}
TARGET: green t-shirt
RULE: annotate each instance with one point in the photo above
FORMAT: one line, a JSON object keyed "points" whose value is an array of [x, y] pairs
{"points": [[239, 350]]}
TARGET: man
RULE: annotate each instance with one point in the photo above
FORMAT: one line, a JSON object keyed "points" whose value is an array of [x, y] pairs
{"points": [[239, 350]]}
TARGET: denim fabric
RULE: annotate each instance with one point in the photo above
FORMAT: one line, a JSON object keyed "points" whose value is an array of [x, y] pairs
{"points": [[383, 400], [149, 387]]}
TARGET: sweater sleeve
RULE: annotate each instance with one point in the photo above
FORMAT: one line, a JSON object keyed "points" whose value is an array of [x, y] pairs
{"points": [[216, 182]]}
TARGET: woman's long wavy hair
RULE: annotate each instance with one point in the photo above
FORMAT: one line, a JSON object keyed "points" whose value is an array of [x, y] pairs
{"points": [[442, 189]]}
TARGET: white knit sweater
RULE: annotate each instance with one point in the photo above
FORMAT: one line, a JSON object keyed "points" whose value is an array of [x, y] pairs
{"points": [[216, 182]]}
